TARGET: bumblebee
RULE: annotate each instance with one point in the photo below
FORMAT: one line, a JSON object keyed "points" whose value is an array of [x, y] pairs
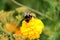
{"points": [[28, 18]]}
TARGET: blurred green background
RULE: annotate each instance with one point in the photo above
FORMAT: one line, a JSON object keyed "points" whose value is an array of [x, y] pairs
{"points": [[50, 8]]}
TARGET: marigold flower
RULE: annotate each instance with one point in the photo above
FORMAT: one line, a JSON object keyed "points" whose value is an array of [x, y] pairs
{"points": [[9, 27], [32, 29]]}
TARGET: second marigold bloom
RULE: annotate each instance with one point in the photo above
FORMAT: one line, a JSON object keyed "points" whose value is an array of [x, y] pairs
{"points": [[32, 29]]}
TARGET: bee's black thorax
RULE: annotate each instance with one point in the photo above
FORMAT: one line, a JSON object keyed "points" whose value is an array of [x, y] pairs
{"points": [[27, 18]]}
